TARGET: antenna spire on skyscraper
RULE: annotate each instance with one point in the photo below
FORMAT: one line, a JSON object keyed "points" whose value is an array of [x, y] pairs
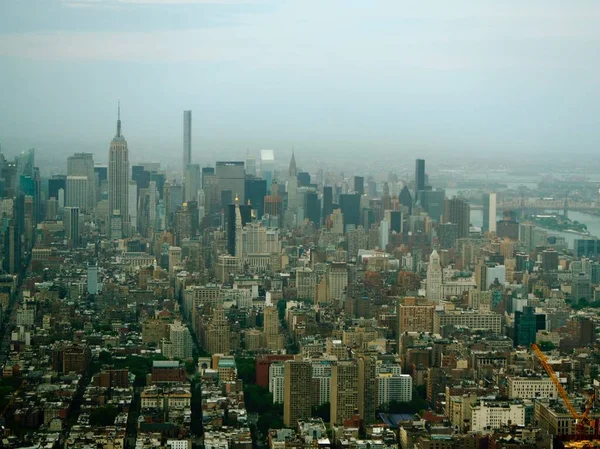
{"points": [[119, 118]]}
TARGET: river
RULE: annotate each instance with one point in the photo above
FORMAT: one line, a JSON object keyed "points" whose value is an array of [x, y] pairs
{"points": [[591, 221]]}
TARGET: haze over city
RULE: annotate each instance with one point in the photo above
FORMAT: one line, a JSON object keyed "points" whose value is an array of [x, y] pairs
{"points": [[328, 77]]}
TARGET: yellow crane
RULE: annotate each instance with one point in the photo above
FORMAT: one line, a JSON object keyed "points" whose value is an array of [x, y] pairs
{"points": [[582, 421]]}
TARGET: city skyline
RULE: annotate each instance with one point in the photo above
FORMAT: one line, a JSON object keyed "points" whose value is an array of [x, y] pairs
{"points": [[467, 78]]}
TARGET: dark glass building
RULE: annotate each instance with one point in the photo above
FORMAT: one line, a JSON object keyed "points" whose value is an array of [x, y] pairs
{"points": [[256, 190], [350, 206]]}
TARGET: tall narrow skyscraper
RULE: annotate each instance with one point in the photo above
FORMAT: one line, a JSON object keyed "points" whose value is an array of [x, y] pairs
{"points": [[187, 138], [489, 212], [419, 178], [118, 180]]}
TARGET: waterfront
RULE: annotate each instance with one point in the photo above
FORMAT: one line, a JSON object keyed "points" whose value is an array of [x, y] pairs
{"points": [[591, 221]]}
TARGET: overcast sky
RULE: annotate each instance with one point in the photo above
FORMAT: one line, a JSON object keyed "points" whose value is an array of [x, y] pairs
{"points": [[323, 75]]}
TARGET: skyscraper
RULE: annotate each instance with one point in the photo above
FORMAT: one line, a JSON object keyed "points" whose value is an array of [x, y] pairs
{"points": [[489, 212], [71, 223], [192, 182], [297, 388], [78, 193], [118, 181], [458, 211], [187, 138], [344, 391], [434, 277], [419, 177], [82, 164]]}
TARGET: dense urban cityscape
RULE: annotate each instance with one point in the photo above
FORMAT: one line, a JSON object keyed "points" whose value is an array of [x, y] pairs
{"points": [[254, 304]]}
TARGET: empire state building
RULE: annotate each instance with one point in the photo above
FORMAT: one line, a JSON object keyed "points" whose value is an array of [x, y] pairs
{"points": [[118, 185]]}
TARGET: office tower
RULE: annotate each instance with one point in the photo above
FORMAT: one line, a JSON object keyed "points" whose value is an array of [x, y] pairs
{"points": [[433, 202], [71, 224], [231, 176], [93, 287], [51, 209], [549, 260], [581, 287], [327, 201], [267, 167], [192, 182], [419, 178], [82, 164], [489, 212], [458, 211], [527, 323], [344, 391], [173, 197], [187, 138], [406, 200], [384, 234], [447, 235], [359, 185], [434, 277], [61, 198], [12, 248], [55, 183], [303, 179], [118, 182], [586, 248], [508, 227], [337, 281], [312, 207], [350, 206], [297, 389], [218, 332], [133, 206], [250, 165], [273, 339], [256, 190], [415, 315], [78, 193], [367, 388], [180, 337]]}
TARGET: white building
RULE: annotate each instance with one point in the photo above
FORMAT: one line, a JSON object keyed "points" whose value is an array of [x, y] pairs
{"points": [[494, 414], [392, 386], [434, 277], [531, 387], [180, 336], [78, 192], [276, 382]]}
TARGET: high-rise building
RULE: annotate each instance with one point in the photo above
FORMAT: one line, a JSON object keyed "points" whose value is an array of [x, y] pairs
{"points": [[71, 224], [327, 201], [133, 205], [297, 388], [419, 178], [406, 200], [344, 391], [78, 193], [118, 181], [231, 176], [489, 212], [218, 332], [415, 315], [273, 339], [12, 248], [433, 201], [434, 277], [180, 337], [367, 388], [359, 185], [312, 207], [82, 164], [187, 138], [192, 182], [350, 206], [93, 287], [256, 190], [527, 323], [458, 211]]}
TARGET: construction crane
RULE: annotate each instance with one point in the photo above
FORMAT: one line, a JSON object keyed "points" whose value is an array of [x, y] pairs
{"points": [[582, 421]]}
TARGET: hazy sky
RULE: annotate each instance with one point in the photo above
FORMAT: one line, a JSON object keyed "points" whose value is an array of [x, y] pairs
{"points": [[323, 75]]}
